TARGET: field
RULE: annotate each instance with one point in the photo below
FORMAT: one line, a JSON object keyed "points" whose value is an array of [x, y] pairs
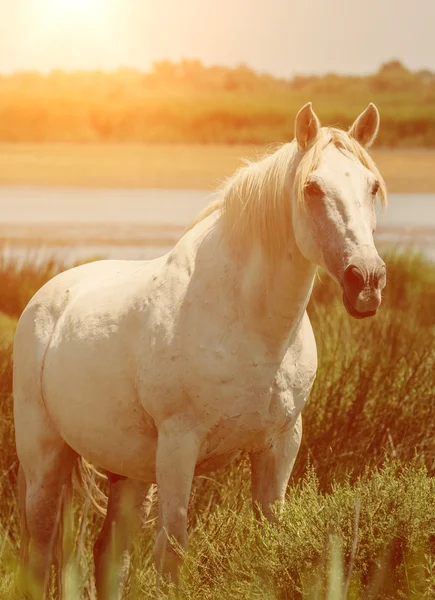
{"points": [[174, 166], [358, 522]]}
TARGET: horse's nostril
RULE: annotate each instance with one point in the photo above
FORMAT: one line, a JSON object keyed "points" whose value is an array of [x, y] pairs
{"points": [[381, 277], [353, 277]]}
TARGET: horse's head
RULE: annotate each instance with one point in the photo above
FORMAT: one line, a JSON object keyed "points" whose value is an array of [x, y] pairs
{"points": [[336, 185]]}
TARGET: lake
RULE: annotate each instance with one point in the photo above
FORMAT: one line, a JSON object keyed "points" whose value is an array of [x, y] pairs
{"points": [[77, 223]]}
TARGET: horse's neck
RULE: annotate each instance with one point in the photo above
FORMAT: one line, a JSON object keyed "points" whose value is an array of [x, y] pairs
{"points": [[275, 296], [274, 299], [270, 300]]}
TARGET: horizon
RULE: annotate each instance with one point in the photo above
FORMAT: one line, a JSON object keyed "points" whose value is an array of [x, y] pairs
{"points": [[120, 68]]}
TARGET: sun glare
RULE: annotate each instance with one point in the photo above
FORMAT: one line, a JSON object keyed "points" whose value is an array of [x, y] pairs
{"points": [[73, 11]]}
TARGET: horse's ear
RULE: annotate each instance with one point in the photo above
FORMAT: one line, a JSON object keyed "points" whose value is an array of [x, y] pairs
{"points": [[366, 126], [307, 127]]}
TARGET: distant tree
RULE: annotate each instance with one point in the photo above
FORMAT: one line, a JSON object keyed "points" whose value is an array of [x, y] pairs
{"points": [[393, 76], [426, 76], [164, 71], [392, 66], [191, 102]]}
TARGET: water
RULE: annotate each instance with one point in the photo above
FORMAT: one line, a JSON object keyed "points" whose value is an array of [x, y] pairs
{"points": [[76, 223], [83, 205], [408, 222]]}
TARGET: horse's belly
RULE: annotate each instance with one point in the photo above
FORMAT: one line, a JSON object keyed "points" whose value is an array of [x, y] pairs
{"points": [[116, 435], [94, 406], [131, 456]]}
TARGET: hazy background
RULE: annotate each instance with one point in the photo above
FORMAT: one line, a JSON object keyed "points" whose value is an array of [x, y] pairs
{"points": [[104, 101], [282, 37]]}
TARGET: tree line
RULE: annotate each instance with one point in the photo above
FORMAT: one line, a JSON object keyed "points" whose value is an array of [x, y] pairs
{"points": [[190, 102]]}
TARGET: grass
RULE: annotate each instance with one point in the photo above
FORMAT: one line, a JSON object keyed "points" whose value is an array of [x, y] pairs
{"points": [[179, 166], [358, 522]]}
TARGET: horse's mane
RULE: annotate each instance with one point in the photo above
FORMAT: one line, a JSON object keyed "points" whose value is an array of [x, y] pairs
{"points": [[255, 202]]}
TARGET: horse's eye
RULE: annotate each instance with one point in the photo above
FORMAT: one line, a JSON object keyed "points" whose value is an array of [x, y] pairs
{"points": [[375, 188], [313, 189]]}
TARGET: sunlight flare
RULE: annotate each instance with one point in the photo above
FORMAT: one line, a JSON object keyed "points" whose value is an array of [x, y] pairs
{"points": [[73, 11]]}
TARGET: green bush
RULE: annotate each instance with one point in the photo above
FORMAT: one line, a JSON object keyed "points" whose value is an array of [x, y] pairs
{"points": [[374, 536]]}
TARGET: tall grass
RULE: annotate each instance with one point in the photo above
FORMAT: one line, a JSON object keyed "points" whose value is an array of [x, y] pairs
{"points": [[358, 521]]}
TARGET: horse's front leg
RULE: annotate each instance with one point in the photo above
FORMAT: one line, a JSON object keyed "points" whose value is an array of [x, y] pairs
{"points": [[271, 469], [178, 446]]}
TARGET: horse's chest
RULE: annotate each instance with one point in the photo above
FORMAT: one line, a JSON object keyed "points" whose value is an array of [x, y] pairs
{"points": [[249, 427], [241, 395], [259, 413]]}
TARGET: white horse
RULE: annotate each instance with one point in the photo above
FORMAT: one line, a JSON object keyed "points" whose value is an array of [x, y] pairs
{"points": [[156, 371]]}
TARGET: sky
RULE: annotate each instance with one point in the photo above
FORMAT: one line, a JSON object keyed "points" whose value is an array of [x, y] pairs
{"points": [[282, 37]]}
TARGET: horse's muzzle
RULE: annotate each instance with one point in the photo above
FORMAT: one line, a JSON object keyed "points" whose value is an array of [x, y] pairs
{"points": [[362, 285]]}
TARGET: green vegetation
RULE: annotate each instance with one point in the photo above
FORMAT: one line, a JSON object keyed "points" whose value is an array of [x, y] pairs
{"points": [[188, 102], [358, 522]]}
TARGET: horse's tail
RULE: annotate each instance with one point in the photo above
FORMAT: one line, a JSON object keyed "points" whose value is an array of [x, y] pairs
{"points": [[85, 481]]}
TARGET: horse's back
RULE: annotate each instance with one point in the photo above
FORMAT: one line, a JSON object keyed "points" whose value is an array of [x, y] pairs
{"points": [[43, 315], [110, 278]]}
